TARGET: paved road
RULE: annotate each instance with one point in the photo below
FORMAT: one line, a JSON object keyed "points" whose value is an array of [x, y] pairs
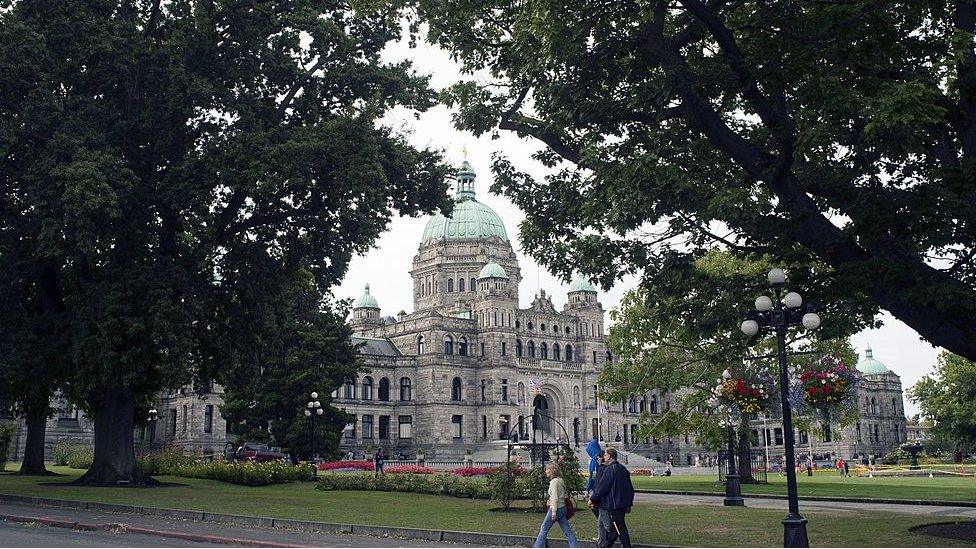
{"points": [[14, 534], [935, 511], [21, 535]]}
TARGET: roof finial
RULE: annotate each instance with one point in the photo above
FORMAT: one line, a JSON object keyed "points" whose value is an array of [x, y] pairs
{"points": [[367, 288], [868, 352], [464, 151]]}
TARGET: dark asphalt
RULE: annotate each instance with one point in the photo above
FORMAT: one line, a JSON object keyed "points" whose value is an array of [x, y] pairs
{"points": [[15, 534]]}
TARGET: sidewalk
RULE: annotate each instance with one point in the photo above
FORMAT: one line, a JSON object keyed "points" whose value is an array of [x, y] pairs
{"points": [[760, 502]]}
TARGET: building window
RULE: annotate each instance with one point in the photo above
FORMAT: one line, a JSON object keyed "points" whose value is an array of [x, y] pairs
{"points": [[474, 285], [504, 390], [456, 426], [350, 430], [463, 346], [556, 355], [367, 388], [594, 357], [450, 284], [894, 407], [456, 389], [859, 432], [874, 406], [482, 349], [576, 397], [367, 426], [460, 284], [520, 389], [406, 427], [384, 390], [405, 393], [186, 417], [632, 404], [172, 421], [384, 427], [804, 437], [531, 347], [484, 427], [542, 327], [530, 325], [208, 418], [653, 404], [495, 320], [349, 389], [518, 324], [421, 345], [503, 348], [518, 348], [595, 428], [484, 387], [448, 345], [544, 350], [778, 436], [569, 353]]}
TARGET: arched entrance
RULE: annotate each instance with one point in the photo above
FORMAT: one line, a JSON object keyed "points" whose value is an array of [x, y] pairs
{"points": [[540, 413]]}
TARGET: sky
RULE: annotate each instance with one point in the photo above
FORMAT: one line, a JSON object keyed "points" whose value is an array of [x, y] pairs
{"points": [[385, 267]]}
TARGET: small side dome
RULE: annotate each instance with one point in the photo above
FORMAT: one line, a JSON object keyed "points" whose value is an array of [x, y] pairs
{"points": [[581, 284], [869, 366], [366, 301], [493, 270]]}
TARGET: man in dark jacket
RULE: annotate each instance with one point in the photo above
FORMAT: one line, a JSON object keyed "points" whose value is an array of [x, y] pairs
{"points": [[614, 496]]}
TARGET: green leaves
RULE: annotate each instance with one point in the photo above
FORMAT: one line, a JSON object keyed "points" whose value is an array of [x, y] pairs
{"points": [[948, 399]]}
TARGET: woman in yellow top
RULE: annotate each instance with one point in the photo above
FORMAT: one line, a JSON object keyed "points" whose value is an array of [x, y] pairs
{"points": [[556, 511]]}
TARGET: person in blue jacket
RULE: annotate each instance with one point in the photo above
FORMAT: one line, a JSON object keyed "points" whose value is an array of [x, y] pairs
{"points": [[594, 451]]}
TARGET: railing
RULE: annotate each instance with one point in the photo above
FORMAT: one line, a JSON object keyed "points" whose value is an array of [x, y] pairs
{"points": [[757, 465], [530, 362]]}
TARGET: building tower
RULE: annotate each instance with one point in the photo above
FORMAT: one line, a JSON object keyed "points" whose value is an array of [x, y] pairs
{"points": [[365, 313]]}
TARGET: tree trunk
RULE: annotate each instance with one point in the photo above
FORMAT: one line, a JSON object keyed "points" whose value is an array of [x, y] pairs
{"points": [[744, 454], [115, 459], [33, 463]]}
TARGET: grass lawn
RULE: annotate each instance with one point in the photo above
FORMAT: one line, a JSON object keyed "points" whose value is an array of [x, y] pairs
{"points": [[649, 523], [824, 484]]}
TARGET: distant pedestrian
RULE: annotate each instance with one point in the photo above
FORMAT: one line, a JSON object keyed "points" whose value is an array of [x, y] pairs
{"points": [[614, 495], [809, 466], [379, 459], [847, 469], [556, 509]]}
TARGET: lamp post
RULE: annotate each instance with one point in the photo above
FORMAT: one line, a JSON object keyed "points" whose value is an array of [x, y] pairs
{"points": [[152, 419], [778, 315], [312, 409], [733, 489]]}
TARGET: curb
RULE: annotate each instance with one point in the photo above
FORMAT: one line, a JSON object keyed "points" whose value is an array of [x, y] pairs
{"points": [[842, 499], [452, 536]]}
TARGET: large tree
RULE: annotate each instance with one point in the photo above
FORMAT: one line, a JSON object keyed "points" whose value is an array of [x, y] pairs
{"points": [[947, 397], [150, 151], [841, 131]]}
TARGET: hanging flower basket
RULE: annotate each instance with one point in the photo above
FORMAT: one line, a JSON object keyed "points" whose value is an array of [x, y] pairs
{"points": [[751, 394], [828, 383]]}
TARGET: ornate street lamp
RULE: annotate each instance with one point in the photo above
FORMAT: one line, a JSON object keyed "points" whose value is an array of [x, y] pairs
{"points": [[312, 409], [779, 314], [733, 489], [151, 420]]}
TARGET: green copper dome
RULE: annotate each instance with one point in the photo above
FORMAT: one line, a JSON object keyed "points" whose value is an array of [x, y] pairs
{"points": [[470, 219], [493, 270], [869, 366], [366, 301], [581, 284]]}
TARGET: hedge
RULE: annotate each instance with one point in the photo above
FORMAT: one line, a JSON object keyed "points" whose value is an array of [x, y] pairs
{"points": [[248, 473], [439, 485]]}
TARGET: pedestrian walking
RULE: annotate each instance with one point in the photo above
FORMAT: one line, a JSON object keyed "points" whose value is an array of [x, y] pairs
{"points": [[614, 496], [596, 454], [379, 459], [847, 469], [556, 510]]}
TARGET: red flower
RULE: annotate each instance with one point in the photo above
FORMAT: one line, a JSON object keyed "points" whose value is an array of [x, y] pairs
{"points": [[826, 389]]}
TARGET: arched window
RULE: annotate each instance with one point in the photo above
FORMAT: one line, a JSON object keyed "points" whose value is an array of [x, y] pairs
{"points": [[530, 324], [349, 389], [567, 330], [518, 324], [569, 353], [874, 406], [576, 397], [450, 284], [543, 350], [642, 405], [367, 388], [542, 327], [518, 348], [448, 345], [463, 346], [384, 390], [653, 404], [531, 348], [460, 284], [456, 389], [894, 408], [474, 284], [632, 404], [405, 392], [421, 345], [556, 355], [521, 393]]}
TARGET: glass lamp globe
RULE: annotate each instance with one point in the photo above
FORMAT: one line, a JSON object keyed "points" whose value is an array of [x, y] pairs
{"points": [[811, 321], [318, 404], [320, 411], [311, 405], [792, 300], [307, 413], [776, 276], [764, 303], [314, 395], [749, 327]]}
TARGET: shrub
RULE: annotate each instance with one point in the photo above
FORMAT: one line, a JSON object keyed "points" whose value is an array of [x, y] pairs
{"points": [[346, 464], [80, 456], [62, 451], [504, 484], [248, 473], [409, 469], [473, 471], [6, 435], [440, 485], [163, 462], [642, 472]]}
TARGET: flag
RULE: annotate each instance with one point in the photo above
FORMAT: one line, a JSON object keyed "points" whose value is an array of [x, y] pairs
{"points": [[535, 388], [602, 406]]}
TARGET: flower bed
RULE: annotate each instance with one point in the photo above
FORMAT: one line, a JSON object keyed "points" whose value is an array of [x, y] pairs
{"points": [[409, 469], [473, 471], [642, 472], [248, 473], [347, 465], [441, 485]]}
